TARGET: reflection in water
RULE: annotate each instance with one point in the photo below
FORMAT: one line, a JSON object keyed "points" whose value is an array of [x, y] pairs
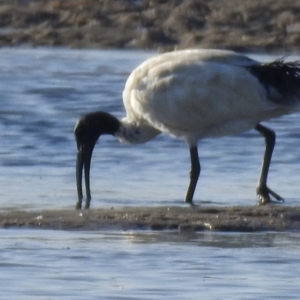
{"points": [[108, 265], [215, 239]]}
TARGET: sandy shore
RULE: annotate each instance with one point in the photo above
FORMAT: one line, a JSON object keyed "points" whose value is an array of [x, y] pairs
{"points": [[265, 26], [229, 219]]}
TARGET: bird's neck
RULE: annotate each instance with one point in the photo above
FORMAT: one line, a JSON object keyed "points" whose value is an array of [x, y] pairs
{"points": [[135, 133]]}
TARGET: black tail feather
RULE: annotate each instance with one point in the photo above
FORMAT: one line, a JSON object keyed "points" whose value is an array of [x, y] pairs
{"points": [[283, 77]]}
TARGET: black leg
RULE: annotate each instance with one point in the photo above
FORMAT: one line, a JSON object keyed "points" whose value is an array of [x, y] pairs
{"points": [[87, 183], [262, 191], [194, 174], [79, 178]]}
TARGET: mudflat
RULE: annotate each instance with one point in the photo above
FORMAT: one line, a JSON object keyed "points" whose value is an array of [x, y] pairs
{"points": [[183, 219]]}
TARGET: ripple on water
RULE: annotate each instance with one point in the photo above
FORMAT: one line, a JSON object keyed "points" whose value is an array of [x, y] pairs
{"points": [[145, 265]]}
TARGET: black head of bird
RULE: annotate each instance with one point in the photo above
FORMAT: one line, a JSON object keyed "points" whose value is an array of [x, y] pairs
{"points": [[87, 131]]}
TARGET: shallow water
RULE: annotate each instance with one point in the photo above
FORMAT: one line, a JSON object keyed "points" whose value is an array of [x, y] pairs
{"points": [[109, 265], [43, 92]]}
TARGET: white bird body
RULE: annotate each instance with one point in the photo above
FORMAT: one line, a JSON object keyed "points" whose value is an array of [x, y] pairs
{"points": [[195, 94]]}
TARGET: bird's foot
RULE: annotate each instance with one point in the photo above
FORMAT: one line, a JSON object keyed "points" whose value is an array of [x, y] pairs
{"points": [[78, 205], [87, 204], [264, 195], [191, 203]]}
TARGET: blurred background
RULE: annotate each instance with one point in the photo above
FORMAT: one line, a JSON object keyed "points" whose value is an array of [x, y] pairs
{"points": [[255, 25]]}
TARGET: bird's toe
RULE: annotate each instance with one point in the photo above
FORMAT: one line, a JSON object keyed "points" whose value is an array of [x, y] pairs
{"points": [[263, 195], [263, 199], [190, 202]]}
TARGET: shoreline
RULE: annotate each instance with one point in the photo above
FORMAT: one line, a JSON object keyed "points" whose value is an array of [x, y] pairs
{"points": [[188, 219]]}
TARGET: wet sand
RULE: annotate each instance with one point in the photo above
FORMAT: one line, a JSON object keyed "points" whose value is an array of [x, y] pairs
{"points": [[182, 219]]}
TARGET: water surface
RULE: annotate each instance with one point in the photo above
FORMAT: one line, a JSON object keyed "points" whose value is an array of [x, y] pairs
{"points": [[109, 265], [43, 92]]}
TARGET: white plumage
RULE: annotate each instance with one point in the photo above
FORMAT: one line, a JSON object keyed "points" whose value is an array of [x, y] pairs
{"points": [[194, 94]]}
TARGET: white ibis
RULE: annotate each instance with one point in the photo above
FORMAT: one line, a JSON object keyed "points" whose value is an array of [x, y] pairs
{"points": [[192, 95]]}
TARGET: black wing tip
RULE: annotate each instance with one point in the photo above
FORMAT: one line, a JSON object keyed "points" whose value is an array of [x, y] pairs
{"points": [[282, 76], [282, 62]]}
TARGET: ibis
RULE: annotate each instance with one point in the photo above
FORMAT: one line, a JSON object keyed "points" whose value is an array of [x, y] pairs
{"points": [[195, 94]]}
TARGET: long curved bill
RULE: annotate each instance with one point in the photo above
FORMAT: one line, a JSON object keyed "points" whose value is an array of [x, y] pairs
{"points": [[84, 155]]}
